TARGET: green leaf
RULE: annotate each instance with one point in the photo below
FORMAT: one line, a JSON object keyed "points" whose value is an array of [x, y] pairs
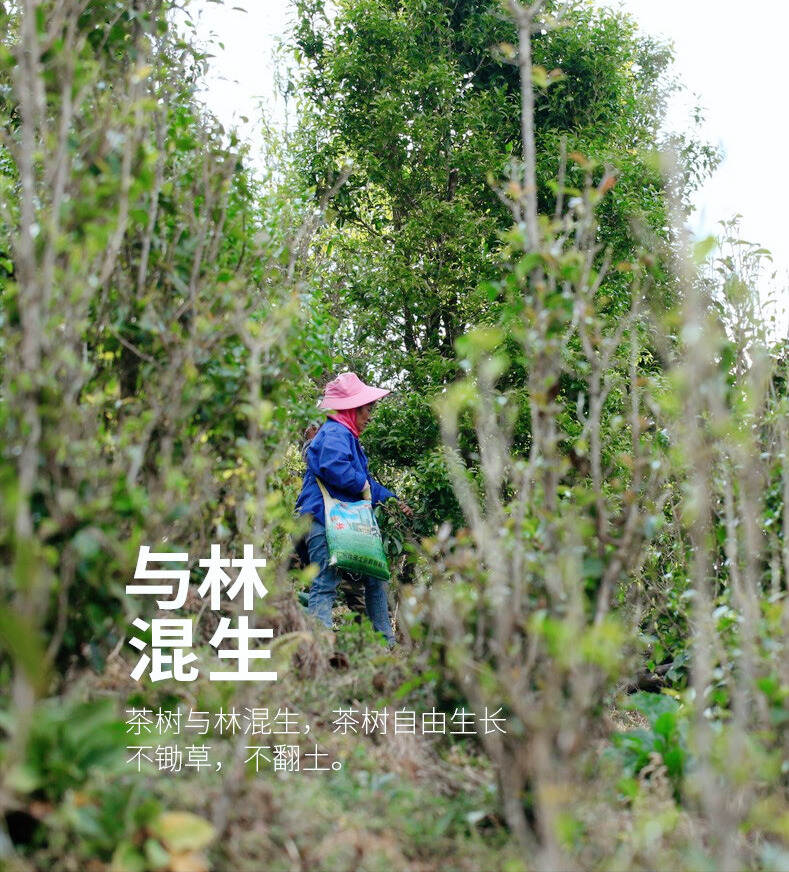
{"points": [[23, 779], [127, 859], [183, 831], [539, 75], [703, 248], [157, 856]]}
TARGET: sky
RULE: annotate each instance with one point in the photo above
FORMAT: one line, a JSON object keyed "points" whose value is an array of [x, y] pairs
{"points": [[731, 56]]}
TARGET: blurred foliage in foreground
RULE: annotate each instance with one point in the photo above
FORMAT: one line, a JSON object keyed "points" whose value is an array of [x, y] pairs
{"points": [[592, 425]]}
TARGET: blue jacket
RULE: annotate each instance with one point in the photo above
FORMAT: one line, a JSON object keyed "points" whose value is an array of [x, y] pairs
{"points": [[337, 457]]}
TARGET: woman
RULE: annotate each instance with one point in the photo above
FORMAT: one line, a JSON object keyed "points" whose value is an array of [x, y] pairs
{"points": [[351, 586], [336, 456]]}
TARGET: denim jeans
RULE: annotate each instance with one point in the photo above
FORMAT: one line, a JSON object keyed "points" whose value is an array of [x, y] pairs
{"points": [[324, 587]]}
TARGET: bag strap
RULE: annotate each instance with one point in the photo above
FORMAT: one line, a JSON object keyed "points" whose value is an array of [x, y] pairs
{"points": [[366, 492], [324, 492]]}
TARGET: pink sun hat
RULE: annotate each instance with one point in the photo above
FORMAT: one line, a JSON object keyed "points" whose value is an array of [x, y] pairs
{"points": [[348, 391]]}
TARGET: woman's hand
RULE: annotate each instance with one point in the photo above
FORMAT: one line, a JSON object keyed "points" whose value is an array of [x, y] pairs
{"points": [[405, 508]]}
